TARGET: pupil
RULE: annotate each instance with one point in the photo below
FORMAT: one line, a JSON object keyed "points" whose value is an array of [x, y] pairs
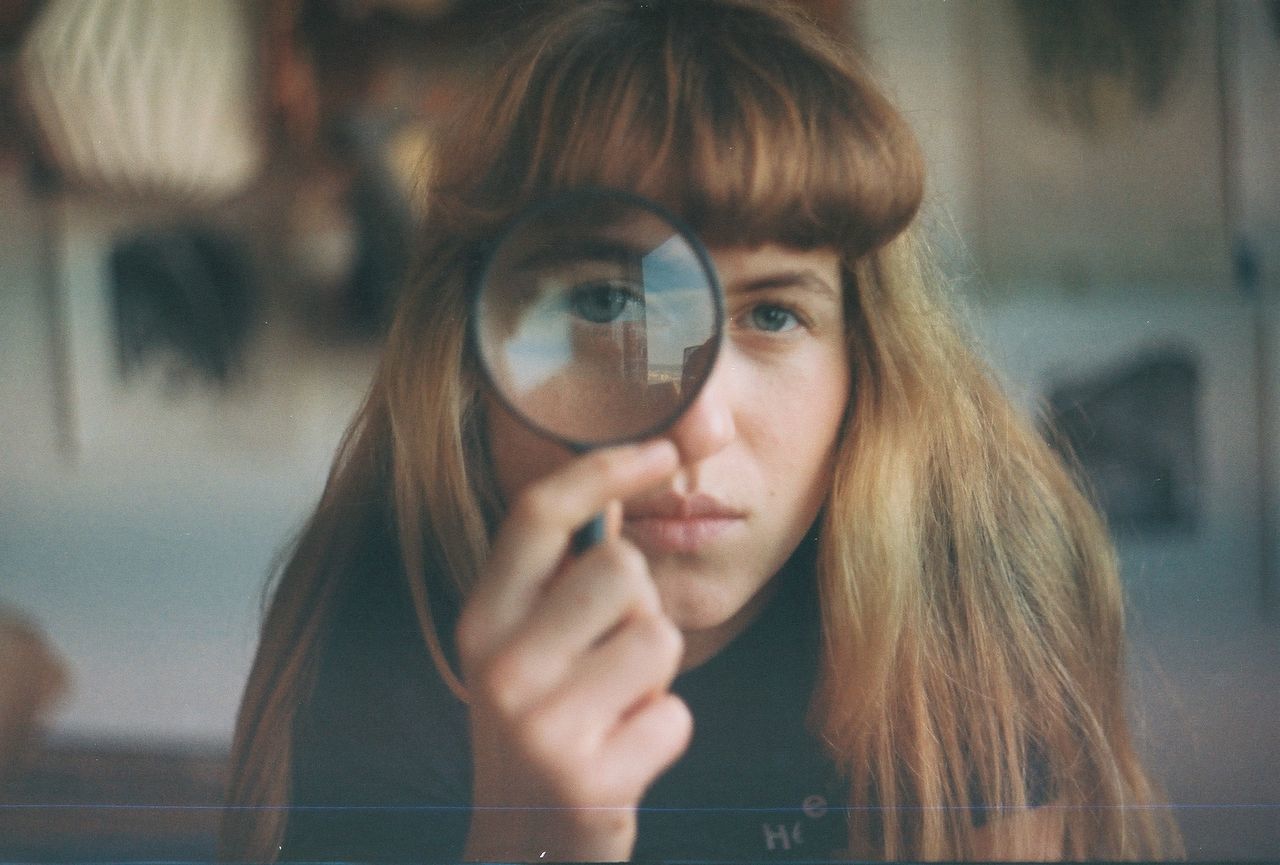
{"points": [[770, 318], [599, 304]]}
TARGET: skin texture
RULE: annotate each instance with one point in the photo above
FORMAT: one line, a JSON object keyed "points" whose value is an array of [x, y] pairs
{"points": [[569, 660], [758, 440]]}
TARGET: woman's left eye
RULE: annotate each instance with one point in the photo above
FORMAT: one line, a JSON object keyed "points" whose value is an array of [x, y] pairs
{"points": [[772, 319], [604, 302]]}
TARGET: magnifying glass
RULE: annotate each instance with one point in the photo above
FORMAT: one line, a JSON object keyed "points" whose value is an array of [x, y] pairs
{"points": [[597, 318]]}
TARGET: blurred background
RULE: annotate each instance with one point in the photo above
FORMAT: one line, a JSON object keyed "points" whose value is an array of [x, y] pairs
{"points": [[204, 213]]}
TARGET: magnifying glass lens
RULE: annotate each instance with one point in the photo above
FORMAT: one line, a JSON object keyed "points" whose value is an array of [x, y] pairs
{"points": [[597, 319]]}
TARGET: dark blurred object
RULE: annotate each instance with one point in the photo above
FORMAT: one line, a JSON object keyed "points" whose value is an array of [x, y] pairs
{"points": [[384, 227], [348, 236], [1097, 62], [104, 802], [329, 59], [1133, 431], [185, 294], [15, 17], [357, 90], [32, 679]]}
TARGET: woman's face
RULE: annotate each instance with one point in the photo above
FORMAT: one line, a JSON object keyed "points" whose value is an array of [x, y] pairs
{"points": [[756, 446]]}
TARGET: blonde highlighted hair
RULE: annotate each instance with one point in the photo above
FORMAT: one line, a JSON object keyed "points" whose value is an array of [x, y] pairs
{"points": [[973, 634]]}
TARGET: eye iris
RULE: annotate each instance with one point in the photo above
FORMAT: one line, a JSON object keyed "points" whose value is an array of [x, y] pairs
{"points": [[770, 318], [599, 304]]}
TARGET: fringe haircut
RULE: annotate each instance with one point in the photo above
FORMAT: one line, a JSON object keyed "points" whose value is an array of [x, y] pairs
{"points": [[972, 614]]}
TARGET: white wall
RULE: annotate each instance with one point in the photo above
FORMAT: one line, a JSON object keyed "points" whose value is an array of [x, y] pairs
{"points": [[1080, 251], [136, 528]]}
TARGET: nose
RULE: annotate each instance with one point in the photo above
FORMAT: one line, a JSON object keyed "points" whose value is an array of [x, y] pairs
{"points": [[707, 425]]}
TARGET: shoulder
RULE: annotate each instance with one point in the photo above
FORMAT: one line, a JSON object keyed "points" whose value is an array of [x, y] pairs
{"points": [[380, 765], [379, 708]]}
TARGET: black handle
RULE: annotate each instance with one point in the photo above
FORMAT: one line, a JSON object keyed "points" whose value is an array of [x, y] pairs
{"points": [[588, 536]]}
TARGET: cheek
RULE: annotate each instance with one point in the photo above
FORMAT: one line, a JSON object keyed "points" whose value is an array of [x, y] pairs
{"points": [[801, 427], [806, 418], [518, 455]]}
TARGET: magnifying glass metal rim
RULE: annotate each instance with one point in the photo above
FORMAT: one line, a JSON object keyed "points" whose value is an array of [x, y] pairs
{"points": [[535, 210]]}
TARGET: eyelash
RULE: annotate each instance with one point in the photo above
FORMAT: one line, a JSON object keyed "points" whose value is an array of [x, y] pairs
{"points": [[748, 320]]}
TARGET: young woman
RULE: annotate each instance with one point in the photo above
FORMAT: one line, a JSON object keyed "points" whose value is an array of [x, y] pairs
{"points": [[850, 604]]}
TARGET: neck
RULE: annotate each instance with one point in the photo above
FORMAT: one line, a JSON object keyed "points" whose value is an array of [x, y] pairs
{"points": [[704, 644]]}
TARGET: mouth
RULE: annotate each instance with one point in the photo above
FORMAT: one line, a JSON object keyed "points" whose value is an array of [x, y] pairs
{"points": [[679, 524]]}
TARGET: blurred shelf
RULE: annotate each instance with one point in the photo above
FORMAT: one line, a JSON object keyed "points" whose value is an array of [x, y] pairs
{"points": [[87, 802]]}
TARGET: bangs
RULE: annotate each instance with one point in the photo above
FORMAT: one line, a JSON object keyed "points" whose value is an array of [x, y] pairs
{"points": [[745, 123]]}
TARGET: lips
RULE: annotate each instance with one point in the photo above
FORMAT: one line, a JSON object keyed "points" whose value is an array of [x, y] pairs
{"points": [[679, 524]]}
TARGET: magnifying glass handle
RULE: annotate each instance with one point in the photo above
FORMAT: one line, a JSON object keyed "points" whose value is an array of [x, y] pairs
{"points": [[588, 536], [592, 532]]}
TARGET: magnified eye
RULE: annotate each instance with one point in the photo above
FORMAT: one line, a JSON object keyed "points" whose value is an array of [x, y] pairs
{"points": [[605, 302]]}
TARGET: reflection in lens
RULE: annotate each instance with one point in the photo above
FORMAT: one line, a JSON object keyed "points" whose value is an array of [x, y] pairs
{"points": [[597, 319]]}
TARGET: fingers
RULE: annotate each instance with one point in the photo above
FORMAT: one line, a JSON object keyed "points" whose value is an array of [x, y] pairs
{"points": [[595, 593], [631, 666], [611, 727], [568, 660], [613, 518], [535, 536], [651, 738]]}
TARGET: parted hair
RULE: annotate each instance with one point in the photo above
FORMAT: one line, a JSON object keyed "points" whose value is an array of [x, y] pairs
{"points": [[972, 619]]}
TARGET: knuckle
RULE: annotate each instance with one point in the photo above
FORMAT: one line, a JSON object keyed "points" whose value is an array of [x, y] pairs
{"points": [[670, 646], [502, 682], [532, 504], [584, 787], [644, 594], [619, 557], [677, 725], [627, 570], [669, 642], [658, 637], [631, 570], [681, 719], [631, 560], [545, 737]]}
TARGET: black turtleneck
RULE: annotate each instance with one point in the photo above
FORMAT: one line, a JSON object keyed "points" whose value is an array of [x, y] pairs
{"points": [[382, 766]]}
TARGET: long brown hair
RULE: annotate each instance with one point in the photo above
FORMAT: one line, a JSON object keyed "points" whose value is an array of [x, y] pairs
{"points": [[971, 607]]}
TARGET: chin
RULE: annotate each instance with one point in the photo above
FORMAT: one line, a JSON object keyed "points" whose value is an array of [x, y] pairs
{"points": [[696, 602], [709, 608]]}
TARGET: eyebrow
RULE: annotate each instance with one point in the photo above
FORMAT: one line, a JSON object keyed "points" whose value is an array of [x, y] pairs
{"points": [[578, 250], [804, 278]]}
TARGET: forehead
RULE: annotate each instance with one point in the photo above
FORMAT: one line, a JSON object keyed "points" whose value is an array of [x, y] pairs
{"points": [[742, 268]]}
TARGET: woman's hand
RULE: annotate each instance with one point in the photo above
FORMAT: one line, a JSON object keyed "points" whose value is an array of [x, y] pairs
{"points": [[569, 662]]}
